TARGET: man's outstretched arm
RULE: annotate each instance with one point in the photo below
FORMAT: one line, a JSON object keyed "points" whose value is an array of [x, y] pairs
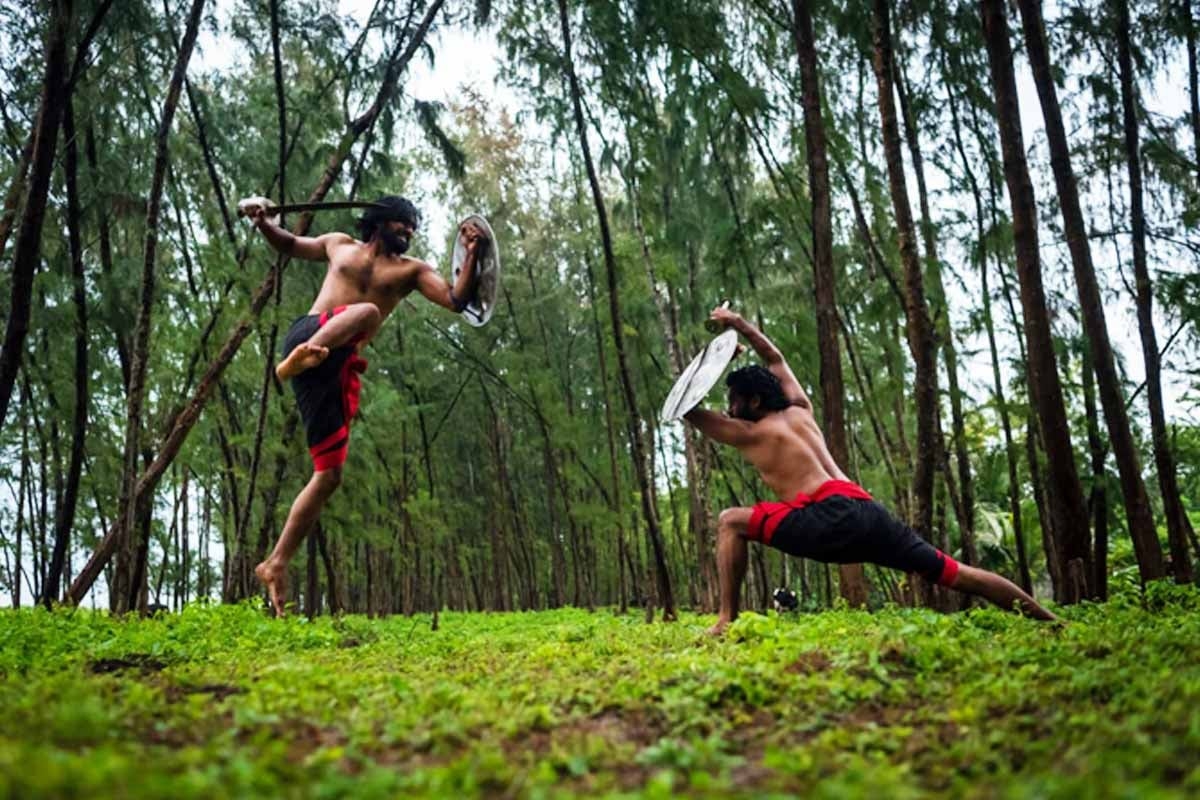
{"points": [[767, 351], [284, 241]]}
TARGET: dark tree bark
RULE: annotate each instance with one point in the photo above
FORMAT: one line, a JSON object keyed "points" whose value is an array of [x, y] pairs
{"points": [[964, 505], [1179, 527], [1012, 456], [269, 379], [919, 327], [12, 198], [853, 581], [28, 247], [1189, 26], [1064, 492], [1098, 497], [126, 588], [614, 303], [65, 511], [1137, 503]]}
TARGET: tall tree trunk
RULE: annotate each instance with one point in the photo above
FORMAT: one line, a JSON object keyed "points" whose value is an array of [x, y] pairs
{"points": [[943, 331], [1098, 498], [1189, 26], [1137, 503], [919, 327], [698, 518], [1011, 453], [1179, 527], [126, 588], [12, 198], [65, 511], [269, 379], [614, 303], [1064, 492], [853, 581], [28, 248]]}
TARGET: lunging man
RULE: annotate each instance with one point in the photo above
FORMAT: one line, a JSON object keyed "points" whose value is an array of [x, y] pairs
{"points": [[821, 515]]}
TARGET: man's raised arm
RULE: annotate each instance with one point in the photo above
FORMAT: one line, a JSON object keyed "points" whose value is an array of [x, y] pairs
{"points": [[438, 290], [719, 427], [767, 351], [284, 241]]}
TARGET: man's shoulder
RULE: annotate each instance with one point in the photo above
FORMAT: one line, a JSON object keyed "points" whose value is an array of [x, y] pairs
{"points": [[409, 264], [337, 238]]}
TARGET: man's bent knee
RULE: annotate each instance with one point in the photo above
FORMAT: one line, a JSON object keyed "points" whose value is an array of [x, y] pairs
{"points": [[368, 313], [733, 521]]}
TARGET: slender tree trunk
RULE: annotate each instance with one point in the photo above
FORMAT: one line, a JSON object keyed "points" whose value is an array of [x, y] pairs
{"points": [[1189, 26], [639, 455], [269, 379], [1098, 498], [20, 526], [126, 589], [185, 543], [853, 581], [919, 327], [1137, 503], [28, 247], [1064, 492], [965, 506], [981, 251], [1179, 527], [65, 511], [12, 198]]}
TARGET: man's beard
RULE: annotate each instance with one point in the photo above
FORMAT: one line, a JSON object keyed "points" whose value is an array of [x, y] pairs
{"points": [[393, 243]]}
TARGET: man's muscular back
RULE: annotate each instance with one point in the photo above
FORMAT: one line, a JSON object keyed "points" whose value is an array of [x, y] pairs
{"points": [[789, 452]]}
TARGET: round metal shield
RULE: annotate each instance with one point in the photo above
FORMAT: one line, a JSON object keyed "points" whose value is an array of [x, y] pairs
{"points": [[700, 376], [482, 302]]}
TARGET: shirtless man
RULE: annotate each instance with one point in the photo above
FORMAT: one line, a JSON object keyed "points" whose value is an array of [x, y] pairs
{"points": [[365, 281], [823, 515]]}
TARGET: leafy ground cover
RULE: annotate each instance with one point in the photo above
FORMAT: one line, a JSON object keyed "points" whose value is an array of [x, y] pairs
{"points": [[223, 702]]}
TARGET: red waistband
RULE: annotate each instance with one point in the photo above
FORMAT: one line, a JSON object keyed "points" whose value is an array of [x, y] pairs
{"points": [[833, 488], [766, 516]]}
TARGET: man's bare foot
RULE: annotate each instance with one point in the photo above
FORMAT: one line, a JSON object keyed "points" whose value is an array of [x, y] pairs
{"points": [[304, 356], [719, 628], [275, 581]]}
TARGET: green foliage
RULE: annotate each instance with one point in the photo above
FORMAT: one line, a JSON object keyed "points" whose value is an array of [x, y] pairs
{"points": [[222, 702]]}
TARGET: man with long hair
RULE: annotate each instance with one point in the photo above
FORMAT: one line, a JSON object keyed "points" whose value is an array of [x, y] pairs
{"points": [[821, 515], [365, 280]]}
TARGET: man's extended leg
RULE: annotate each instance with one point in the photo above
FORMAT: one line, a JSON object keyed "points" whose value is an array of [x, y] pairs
{"points": [[999, 590], [355, 321], [305, 510], [731, 563]]}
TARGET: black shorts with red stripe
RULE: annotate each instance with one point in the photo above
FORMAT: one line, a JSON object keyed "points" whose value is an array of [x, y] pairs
{"points": [[326, 394], [844, 526]]}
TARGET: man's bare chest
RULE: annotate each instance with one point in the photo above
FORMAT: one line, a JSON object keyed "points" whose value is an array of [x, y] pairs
{"points": [[367, 276]]}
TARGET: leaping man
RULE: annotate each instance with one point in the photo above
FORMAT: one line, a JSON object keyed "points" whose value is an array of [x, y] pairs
{"points": [[365, 279]]}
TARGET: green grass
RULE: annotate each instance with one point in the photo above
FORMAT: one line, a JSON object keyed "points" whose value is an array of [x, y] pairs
{"points": [[223, 702]]}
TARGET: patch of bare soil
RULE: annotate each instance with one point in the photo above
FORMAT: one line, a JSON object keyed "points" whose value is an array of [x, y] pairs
{"points": [[219, 691], [138, 661], [809, 663]]}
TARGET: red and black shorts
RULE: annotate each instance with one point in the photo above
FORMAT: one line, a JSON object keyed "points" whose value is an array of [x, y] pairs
{"points": [[327, 394], [841, 524]]}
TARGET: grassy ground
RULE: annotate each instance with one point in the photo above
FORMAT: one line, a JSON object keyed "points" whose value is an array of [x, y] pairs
{"points": [[222, 702]]}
